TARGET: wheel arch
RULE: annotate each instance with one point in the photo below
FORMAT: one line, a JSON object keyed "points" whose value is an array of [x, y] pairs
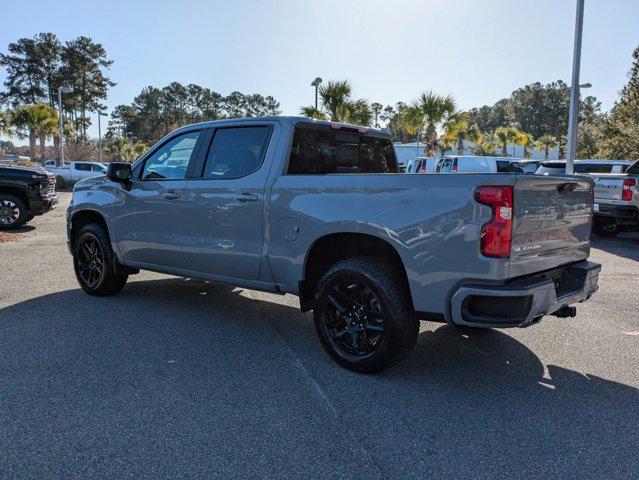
{"points": [[331, 248], [21, 193], [85, 217]]}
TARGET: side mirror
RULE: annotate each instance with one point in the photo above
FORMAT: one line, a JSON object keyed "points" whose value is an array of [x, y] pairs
{"points": [[119, 172]]}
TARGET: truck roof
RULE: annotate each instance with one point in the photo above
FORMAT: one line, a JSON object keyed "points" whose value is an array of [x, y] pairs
{"points": [[294, 121]]}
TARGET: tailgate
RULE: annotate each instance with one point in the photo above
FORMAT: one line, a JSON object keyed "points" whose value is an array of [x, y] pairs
{"points": [[552, 222], [608, 188]]}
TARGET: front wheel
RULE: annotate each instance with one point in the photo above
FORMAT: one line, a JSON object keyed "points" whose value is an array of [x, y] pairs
{"points": [[13, 212], [363, 315], [606, 229], [96, 268]]}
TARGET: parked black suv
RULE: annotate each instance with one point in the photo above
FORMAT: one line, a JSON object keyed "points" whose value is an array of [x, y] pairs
{"points": [[25, 193]]}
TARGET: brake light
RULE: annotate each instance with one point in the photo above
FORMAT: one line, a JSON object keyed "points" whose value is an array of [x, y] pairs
{"points": [[423, 167], [496, 234], [455, 167], [626, 189]]}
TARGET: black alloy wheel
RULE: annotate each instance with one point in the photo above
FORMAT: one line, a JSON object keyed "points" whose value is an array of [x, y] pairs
{"points": [[364, 316], [90, 261], [354, 319]]}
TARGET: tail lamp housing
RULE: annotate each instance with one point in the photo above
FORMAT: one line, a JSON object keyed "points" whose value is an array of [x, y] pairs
{"points": [[496, 234], [626, 189]]}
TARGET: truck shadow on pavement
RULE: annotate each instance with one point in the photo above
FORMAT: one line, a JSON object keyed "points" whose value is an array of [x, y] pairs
{"points": [[625, 245], [172, 372]]}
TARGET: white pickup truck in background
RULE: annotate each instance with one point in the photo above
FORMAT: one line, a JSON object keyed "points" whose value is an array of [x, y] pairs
{"points": [[72, 173], [616, 207]]}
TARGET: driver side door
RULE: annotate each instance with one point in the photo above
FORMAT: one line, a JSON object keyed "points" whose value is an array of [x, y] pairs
{"points": [[148, 223]]}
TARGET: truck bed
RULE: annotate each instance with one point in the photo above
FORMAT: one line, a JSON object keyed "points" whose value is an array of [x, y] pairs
{"points": [[434, 222]]}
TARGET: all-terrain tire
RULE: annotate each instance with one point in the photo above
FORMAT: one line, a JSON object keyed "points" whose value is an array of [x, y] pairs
{"points": [[606, 229], [111, 277], [400, 322], [13, 212]]}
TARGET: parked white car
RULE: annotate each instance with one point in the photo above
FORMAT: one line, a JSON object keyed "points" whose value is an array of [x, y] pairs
{"points": [[476, 164], [558, 167], [421, 165], [69, 175]]}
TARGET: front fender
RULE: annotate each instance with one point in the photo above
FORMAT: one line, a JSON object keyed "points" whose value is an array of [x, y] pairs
{"points": [[100, 199]]}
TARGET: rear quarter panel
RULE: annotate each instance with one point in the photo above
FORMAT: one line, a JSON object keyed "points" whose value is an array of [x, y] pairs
{"points": [[432, 221]]}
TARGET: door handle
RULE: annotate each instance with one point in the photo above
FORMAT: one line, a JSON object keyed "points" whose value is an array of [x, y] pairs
{"points": [[171, 195], [246, 197]]}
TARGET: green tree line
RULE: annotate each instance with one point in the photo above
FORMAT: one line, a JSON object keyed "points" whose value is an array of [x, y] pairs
{"points": [[157, 111]]}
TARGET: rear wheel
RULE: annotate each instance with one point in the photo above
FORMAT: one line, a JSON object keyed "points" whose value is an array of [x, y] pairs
{"points": [[363, 315], [13, 212], [96, 268], [606, 229]]}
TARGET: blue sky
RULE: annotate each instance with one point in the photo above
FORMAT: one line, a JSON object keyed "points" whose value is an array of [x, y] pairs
{"points": [[479, 51]]}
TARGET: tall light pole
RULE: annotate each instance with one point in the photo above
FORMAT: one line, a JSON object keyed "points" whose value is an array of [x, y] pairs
{"points": [[315, 83], [61, 90], [573, 119], [100, 114]]}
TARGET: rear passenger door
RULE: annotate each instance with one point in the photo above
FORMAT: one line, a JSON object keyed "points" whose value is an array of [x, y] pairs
{"points": [[222, 214]]}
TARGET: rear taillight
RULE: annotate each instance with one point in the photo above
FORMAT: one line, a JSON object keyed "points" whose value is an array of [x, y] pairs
{"points": [[454, 167], [496, 234], [626, 189], [423, 167]]}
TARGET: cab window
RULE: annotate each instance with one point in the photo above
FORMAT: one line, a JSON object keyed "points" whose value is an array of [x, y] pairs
{"points": [[236, 152], [170, 161]]}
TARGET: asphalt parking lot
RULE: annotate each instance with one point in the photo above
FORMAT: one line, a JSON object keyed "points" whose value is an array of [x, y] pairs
{"points": [[181, 378]]}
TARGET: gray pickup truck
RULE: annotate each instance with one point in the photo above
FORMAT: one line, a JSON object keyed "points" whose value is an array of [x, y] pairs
{"points": [[318, 210]]}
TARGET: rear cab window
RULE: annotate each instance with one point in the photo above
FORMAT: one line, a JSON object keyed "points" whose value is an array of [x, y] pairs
{"points": [[236, 152], [321, 149], [592, 168], [504, 166]]}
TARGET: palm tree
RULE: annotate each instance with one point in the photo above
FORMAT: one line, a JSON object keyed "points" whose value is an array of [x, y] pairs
{"points": [[25, 119], [486, 146], [473, 135], [359, 112], [525, 140], [335, 97], [312, 112], [122, 149], [505, 135], [435, 109], [445, 144], [456, 129], [546, 143], [46, 127], [139, 149], [412, 120]]}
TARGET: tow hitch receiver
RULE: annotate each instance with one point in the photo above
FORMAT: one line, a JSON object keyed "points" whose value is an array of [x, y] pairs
{"points": [[565, 312]]}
